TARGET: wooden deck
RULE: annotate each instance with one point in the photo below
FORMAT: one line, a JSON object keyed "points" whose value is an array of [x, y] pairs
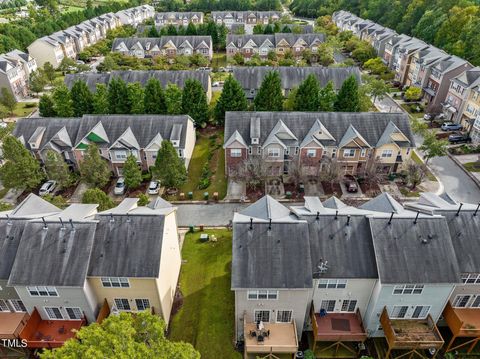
{"points": [[11, 324], [282, 339], [463, 323]]}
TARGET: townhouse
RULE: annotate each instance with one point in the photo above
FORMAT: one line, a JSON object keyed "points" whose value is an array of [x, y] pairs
{"points": [[475, 131], [74, 267], [249, 45], [117, 136], [356, 140], [165, 77], [380, 271], [136, 15], [251, 78], [462, 91], [178, 18], [229, 18], [169, 46], [15, 69], [421, 61]]}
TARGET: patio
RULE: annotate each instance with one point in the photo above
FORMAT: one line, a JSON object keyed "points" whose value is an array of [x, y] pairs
{"points": [[273, 338]]}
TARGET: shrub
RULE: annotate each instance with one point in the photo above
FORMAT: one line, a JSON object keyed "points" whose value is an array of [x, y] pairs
{"points": [[143, 199], [205, 178]]}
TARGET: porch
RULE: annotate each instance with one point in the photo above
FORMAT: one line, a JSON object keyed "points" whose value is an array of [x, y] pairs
{"points": [[463, 323], [337, 334], [412, 336], [270, 340]]}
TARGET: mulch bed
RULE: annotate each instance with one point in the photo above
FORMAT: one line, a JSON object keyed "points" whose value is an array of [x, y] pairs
{"points": [[253, 194], [135, 193], [290, 187], [331, 190], [67, 192], [370, 190]]}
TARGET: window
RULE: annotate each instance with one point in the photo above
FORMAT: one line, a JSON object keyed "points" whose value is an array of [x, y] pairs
{"points": [[387, 153], [349, 305], [363, 153], [476, 302], [115, 282], [408, 289], [53, 312], [120, 155], [249, 150], [122, 304], [41, 291], [350, 152], [471, 278], [17, 305], [284, 316], [3, 306], [296, 150], [142, 304], [421, 311], [235, 152], [328, 305], [74, 313], [461, 301], [273, 152], [399, 311], [334, 153], [332, 283], [263, 294], [262, 315], [311, 153]]}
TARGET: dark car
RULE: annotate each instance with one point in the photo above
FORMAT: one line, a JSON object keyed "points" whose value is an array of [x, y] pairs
{"points": [[459, 138], [351, 184]]}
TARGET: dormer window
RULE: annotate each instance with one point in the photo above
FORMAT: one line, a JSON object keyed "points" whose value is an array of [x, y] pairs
{"points": [[32, 145]]}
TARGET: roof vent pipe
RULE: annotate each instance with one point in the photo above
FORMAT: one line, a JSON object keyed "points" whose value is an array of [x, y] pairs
{"points": [[9, 220], [44, 223], [61, 222], [270, 224], [476, 210], [348, 220], [251, 223], [459, 208], [71, 224], [318, 215], [336, 214], [391, 217], [111, 217], [416, 218]]}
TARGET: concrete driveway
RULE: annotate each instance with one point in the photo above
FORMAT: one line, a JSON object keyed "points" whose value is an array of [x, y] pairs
{"points": [[235, 190]]}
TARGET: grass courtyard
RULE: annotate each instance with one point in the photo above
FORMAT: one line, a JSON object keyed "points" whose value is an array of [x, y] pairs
{"points": [[22, 109], [206, 318]]}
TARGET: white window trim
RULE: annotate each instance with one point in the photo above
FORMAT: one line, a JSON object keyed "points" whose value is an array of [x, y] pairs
{"points": [[363, 152], [457, 299], [51, 289], [121, 309], [4, 306], [398, 306], [262, 310], [272, 152], [403, 287], [345, 151], [311, 152], [387, 153], [236, 152], [332, 283], [327, 305], [12, 301], [283, 310], [348, 306], [429, 307], [111, 280], [257, 293], [469, 276], [48, 315], [74, 309], [143, 302]]}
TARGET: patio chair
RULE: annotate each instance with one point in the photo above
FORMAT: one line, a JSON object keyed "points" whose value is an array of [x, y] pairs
{"points": [[253, 333], [260, 339]]}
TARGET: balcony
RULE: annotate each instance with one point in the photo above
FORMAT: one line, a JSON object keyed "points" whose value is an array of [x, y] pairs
{"points": [[11, 324], [274, 338], [413, 335], [340, 330], [463, 323], [41, 333]]}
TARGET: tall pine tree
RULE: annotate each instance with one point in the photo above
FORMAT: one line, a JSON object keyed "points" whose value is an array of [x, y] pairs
{"points": [[169, 168], [82, 97], [348, 99], [154, 99], [194, 102], [232, 99], [135, 98], [307, 95], [132, 173], [269, 96], [327, 97], [118, 96], [100, 100], [46, 106], [63, 104], [173, 99]]}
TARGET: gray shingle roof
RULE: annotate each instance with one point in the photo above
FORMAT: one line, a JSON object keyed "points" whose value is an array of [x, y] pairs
{"points": [[251, 77], [150, 42], [128, 246], [414, 253], [370, 125]]}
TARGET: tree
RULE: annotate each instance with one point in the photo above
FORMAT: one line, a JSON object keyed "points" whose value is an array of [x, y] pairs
{"points": [[375, 87], [325, 54], [94, 169], [348, 96], [307, 95], [169, 168], [8, 100], [191, 29], [331, 171], [153, 32], [83, 103], [375, 66], [100, 105], [238, 59], [97, 196], [289, 103], [194, 102], [132, 173], [415, 172], [139, 335], [118, 96], [57, 169], [143, 199], [154, 99], [253, 171], [432, 147], [46, 106], [269, 96], [232, 99], [173, 99], [21, 169], [268, 29], [37, 81], [67, 65], [62, 101], [327, 97], [135, 98], [171, 30], [49, 72], [413, 93]]}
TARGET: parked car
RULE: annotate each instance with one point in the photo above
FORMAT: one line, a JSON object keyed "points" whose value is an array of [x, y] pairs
{"points": [[47, 188], [449, 126], [351, 184], [459, 138], [119, 187], [433, 116], [153, 187], [216, 84]]}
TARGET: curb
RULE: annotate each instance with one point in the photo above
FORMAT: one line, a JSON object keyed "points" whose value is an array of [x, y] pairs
{"points": [[459, 164], [441, 187]]}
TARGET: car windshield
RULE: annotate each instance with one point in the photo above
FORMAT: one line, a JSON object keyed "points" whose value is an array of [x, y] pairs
{"points": [[153, 185], [119, 184]]}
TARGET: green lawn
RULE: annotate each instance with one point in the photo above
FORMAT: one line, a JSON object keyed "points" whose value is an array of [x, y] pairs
{"points": [[417, 159], [472, 166], [21, 109], [219, 60], [206, 319], [208, 149]]}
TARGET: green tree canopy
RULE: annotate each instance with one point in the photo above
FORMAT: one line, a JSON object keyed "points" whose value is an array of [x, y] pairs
{"points": [[82, 96], [169, 168], [154, 100], [348, 96], [97, 196], [135, 98], [132, 173], [46, 106], [21, 169], [124, 336], [173, 99], [57, 169], [194, 102], [94, 169], [307, 95], [432, 147], [8, 100], [327, 97], [62, 101], [118, 97], [100, 105], [232, 99], [270, 96]]}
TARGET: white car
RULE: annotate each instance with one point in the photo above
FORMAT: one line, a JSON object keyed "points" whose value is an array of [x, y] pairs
{"points": [[119, 187], [216, 84], [47, 188], [153, 187]]}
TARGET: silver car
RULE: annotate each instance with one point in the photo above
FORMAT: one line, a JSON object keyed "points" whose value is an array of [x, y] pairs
{"points": [[47, 188]]}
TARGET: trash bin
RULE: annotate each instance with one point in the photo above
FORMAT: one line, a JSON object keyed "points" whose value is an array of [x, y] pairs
{"points": [[191, 229], [288, 194], [205, 196], [190, 195], [299, 355]]}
